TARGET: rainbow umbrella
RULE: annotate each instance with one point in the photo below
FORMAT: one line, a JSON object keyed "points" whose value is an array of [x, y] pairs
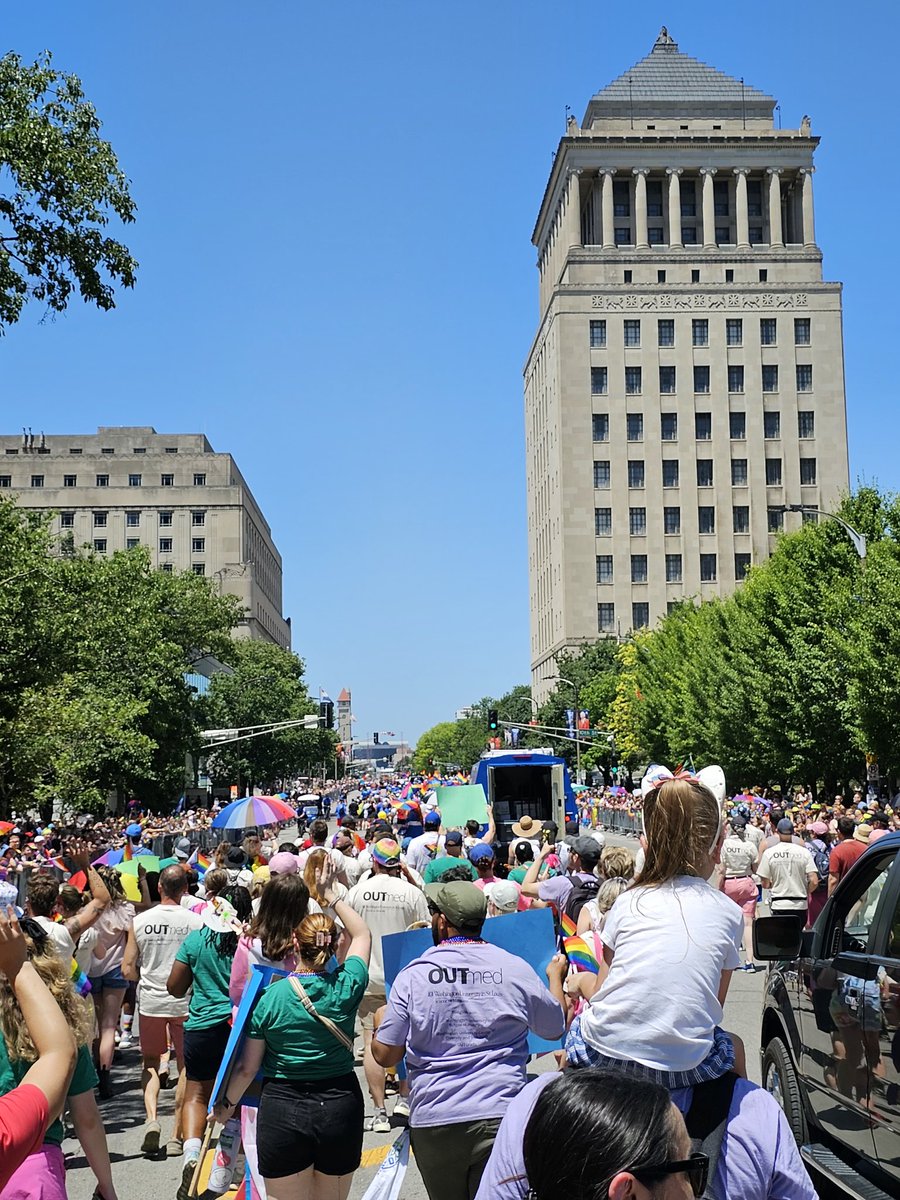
{"points": [[149, 862], [110, 859], [254, 810]]}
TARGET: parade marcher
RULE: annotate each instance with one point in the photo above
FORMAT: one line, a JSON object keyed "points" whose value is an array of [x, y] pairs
{"points": [[421, 850], [570, 892], [845, 852], [738, 861], [461, 1013], [269, 941], [819, 846], [108, 984], [789, 872], [453, 856]]}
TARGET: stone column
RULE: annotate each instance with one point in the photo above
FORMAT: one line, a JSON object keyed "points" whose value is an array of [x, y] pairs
{"points": [[606, 204], [573, 209], [743, 220], [641, 240], [775, 235], [809, 223], [709, 208], [674, 174]]}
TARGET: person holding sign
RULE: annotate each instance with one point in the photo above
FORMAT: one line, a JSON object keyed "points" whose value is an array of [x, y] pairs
{"points": [[300, 1034], [461, 1014]]}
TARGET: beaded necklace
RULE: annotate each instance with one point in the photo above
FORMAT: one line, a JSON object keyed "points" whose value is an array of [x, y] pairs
{"points": [[461, 940]]}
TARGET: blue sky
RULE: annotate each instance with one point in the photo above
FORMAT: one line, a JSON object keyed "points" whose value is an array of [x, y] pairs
{"points": [[337, 283]]}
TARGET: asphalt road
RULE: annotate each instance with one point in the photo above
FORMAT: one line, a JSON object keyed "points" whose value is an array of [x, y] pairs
{"points": [[135, 1176]]}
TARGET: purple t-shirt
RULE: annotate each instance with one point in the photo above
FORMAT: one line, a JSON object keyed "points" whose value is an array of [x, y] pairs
{"points": [[759, 1158], [556, 891], [463, 1010]]}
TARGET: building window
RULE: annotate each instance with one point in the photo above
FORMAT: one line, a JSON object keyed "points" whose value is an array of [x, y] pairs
{"points": [[100, 520], [801, 331], [806, 424], [599, 429], [668, 427], [670, 472], [100, 545], [804, 377], [134, 481], [626, 275], [657, 240], [808, 471], [198, 517], [165, 545], [772, 425], [688, 198], [70, 481], [621, 198], [639, 568], [667, 380], [637, 522], [632, 381], [741, 518], [654, 194], [102, 481], [74, 449], [634, 427], [131, 543], [139, 450], [171, 449], [703, 426], [166, 567], [707, 568], [763, 275], [773, 472], [603, 522], [107, 450], [706, 518], [723, 235], [604, 568], [601, 475], [606, 618], [741, 566], [67, 520], [689, 238], [598, 381], [9, 450], [734, 331], [720, 197], [165, 518], [704, 472], [198, 545], [37, 481], [132, 520], [623, 238], [756, 235], [640, 615], [198, 568], [598, 335], [737, 426], [768, 331], [167, 481], [632, 333], [672, 519], [199, 479], [776, 520], [666, 332], [700, 331], [769, 378], [5, 481], [701, 379], [739, 472], [673, 568], [809, 518], [635, 472], [735, 379]]}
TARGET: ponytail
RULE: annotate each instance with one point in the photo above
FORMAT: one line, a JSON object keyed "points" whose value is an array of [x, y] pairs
{"points": [[682, 824]]}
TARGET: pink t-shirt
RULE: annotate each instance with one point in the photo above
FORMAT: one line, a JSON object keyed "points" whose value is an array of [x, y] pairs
{"points": [[249, 954], [524, 901]]}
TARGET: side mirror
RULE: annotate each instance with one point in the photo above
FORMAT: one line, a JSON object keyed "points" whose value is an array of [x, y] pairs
{"points": [[777, 938]]}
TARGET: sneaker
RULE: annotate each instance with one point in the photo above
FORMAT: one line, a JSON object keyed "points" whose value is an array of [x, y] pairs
{"points": [[174, 1148], [746, 967], [125, 1042], [187, 1175], [220, 1177], [380, 1122], [401, 1108], [150, 1144]]}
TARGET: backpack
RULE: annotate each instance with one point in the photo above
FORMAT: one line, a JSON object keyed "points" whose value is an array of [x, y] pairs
{"points": [[707, 1120], [582, 890], [822, 858]]}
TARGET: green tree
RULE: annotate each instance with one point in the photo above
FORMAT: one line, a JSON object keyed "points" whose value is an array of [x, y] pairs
{"points": [[61, 184]]}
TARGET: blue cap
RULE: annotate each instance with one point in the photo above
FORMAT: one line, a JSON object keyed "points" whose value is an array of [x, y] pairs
{"points": [[134, 831], [480, 852], [433, 817]]}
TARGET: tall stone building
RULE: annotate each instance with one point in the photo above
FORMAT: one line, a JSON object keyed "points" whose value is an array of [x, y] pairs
{"points": [[131, 486], [686, 381]]}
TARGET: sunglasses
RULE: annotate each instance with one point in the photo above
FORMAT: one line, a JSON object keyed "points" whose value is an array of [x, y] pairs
{"points": [[696, 1168]]}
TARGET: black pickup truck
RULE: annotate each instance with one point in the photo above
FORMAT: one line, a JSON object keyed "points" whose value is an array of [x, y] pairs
{"points": [[830, 1040]]}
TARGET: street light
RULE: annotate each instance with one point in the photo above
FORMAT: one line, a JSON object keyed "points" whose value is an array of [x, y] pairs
{"points": [[574, 687], [858, 539]]}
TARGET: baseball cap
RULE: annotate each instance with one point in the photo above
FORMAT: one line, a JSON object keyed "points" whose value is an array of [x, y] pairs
{"points": [[463, 904], [785, 825], [818, 828], [386, 853], [479, 853], [134, 830], [284, 863], [737, 822], [453, 838], [433, 817], [504, 895], [182, 848], [587, 849]]}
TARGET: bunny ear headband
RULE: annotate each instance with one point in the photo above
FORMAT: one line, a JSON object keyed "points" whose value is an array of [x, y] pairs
{"points": [[712, 778]]}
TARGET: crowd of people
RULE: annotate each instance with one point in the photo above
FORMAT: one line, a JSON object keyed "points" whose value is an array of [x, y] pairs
{"points": [[642, 1096]]}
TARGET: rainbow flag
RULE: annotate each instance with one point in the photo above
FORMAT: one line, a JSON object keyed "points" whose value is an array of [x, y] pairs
{"points": [[80, 981], [200, 863], [581, 954], [567, 925], [126, 857], [359, 842]]}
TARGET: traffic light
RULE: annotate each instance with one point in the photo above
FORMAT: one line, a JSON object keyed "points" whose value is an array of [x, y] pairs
{"points": [[375, 739], [326, 714], [493, 720]]}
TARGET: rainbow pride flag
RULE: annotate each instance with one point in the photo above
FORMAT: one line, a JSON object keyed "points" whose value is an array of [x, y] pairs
{"points": [[568, 926], [581, 955], [79, 980]]}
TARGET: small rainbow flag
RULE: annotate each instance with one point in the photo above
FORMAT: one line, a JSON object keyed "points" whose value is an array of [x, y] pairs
{"points": [[567, 925], [80, 981], [201, 864], [359, 842], [126, 857], [581, 955]]}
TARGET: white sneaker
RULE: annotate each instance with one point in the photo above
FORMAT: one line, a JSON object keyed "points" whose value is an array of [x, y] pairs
{"points": [[126, 1041], [380, 1122], [401, 1108]]}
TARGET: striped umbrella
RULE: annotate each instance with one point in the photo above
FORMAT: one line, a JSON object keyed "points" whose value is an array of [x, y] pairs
{"points": [[253, 811]]}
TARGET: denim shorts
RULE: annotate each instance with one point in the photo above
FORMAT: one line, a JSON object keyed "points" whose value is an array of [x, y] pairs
{"points": [[310, 1123], [113, 980]]}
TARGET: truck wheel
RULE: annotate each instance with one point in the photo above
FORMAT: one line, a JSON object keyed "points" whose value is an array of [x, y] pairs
{"points": [[780, 1081]]}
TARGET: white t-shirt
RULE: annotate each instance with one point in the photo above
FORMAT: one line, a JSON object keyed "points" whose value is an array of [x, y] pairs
{"points": [[59, 939], [159, 933], [336, 857], [353, 868], [387, 904], [422, 849], [787, 867], [755, 835], [738, 857], [659, 1003]]}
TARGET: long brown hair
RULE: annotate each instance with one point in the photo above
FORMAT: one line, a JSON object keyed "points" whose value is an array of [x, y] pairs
{"points": [[317, 939], [55, 975], [282, 907], [682, 824], [314, 859]]}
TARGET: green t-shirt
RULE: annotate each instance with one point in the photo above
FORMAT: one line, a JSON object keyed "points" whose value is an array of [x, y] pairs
{"points": [[298, 1045], [438, 866], [12, 1074], [517, 874], [210, 1003]]}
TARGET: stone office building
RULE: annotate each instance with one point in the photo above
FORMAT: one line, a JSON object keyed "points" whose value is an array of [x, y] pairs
{"points": [[131, 486], [686, 381]]}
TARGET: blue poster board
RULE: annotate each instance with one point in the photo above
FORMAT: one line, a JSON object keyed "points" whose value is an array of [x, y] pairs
{"points": [[259, 980], [528, 935]]}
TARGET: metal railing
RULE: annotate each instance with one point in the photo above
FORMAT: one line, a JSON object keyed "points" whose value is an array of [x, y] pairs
{"points": [[615, 820]]}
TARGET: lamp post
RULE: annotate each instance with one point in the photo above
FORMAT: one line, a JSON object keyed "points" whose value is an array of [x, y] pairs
{"points": [[574, 687], [858, 539]]}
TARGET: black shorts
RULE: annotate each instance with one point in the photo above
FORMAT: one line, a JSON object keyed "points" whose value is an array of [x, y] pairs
{"points": [[310, 1123], [204, 1050]]}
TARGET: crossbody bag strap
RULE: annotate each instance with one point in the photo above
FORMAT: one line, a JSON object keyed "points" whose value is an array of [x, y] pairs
{"points": [[313, 1012]]}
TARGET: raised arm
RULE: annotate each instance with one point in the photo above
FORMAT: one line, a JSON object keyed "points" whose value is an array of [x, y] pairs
{"points": [[530, 883], [358, 930], [100, 897], [491, 832]]}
